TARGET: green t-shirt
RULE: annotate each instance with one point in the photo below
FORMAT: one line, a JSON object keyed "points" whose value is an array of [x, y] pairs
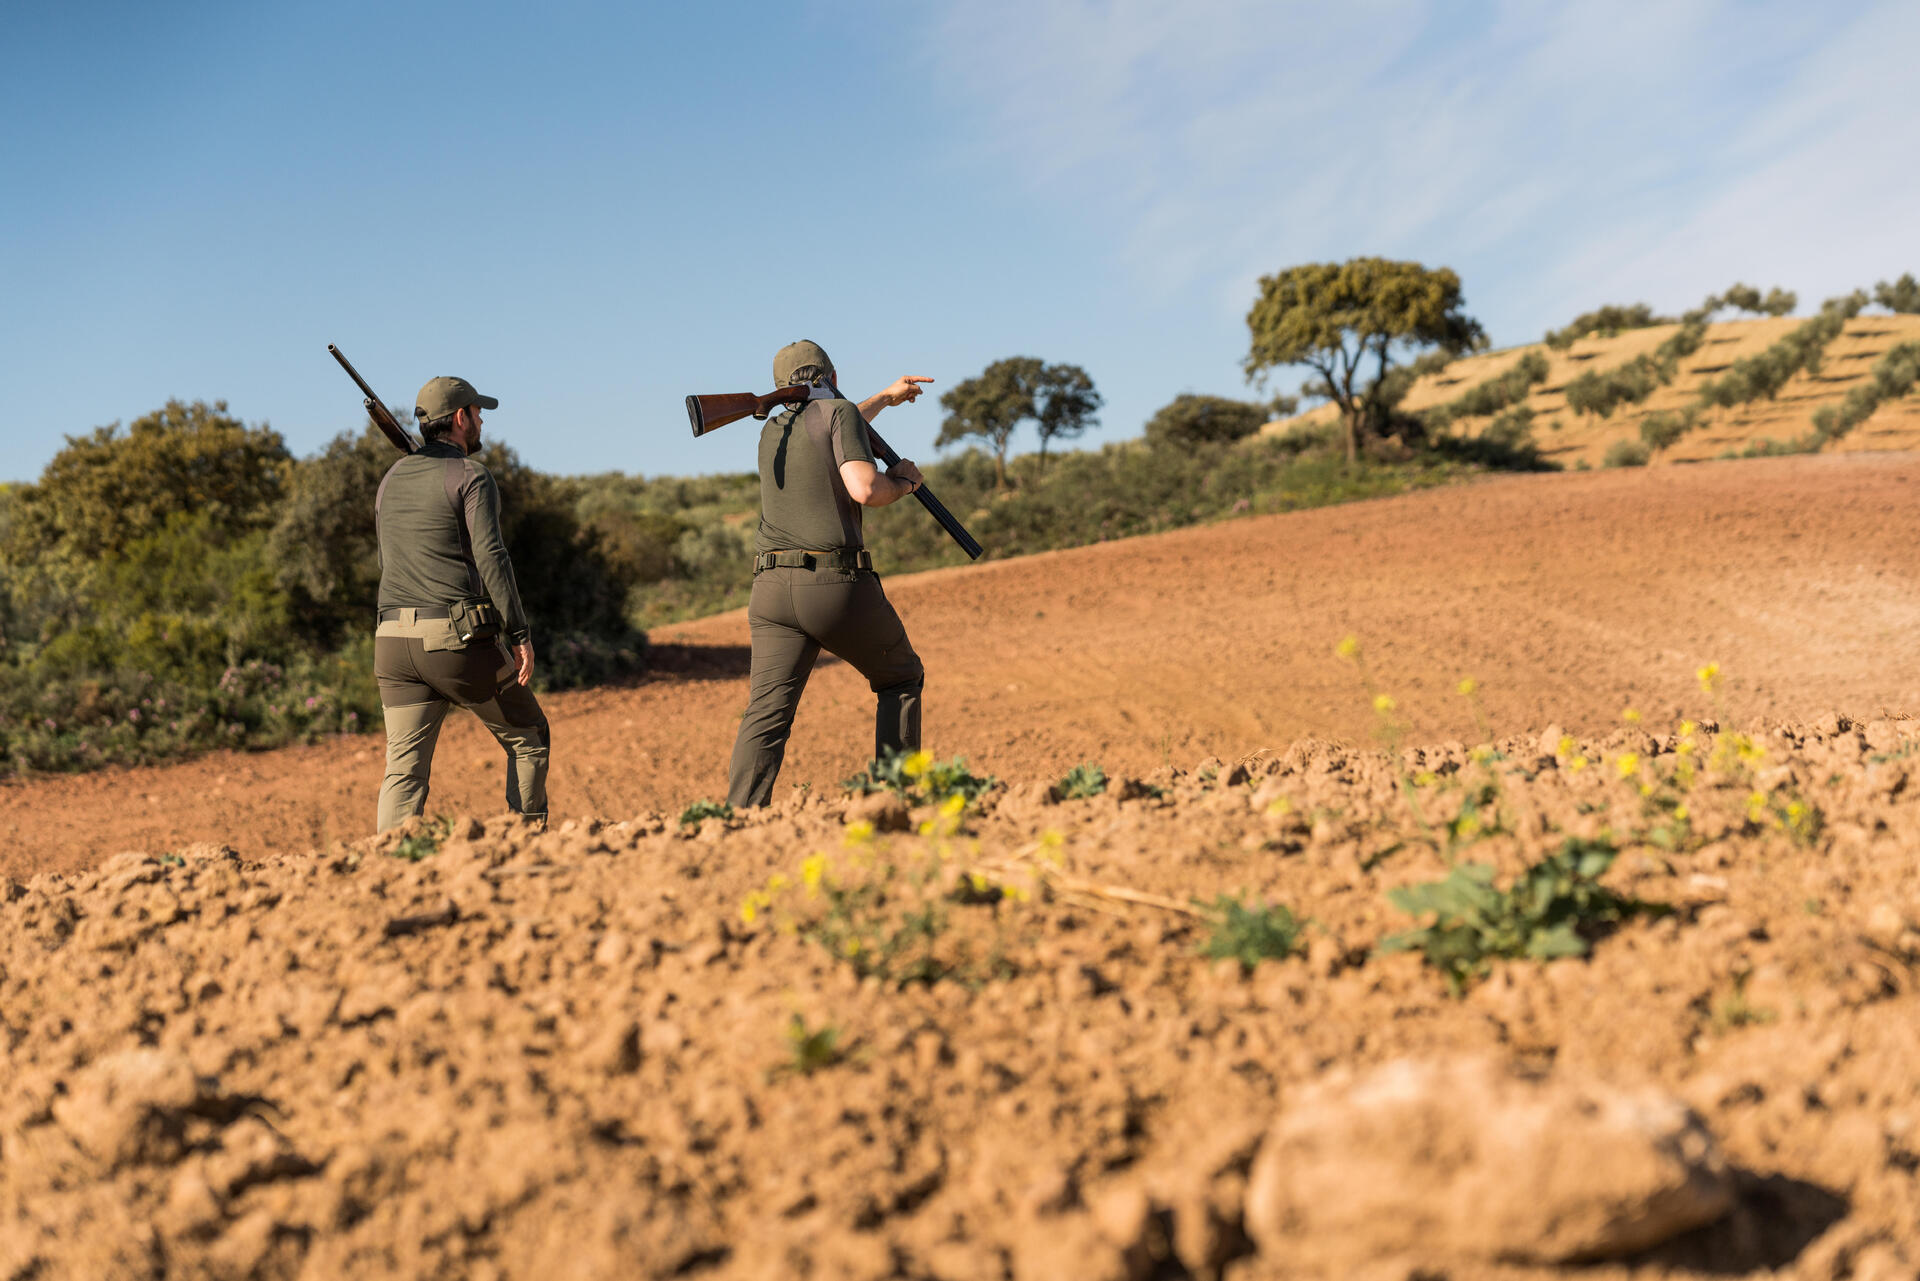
{"points": [[804, 505]]}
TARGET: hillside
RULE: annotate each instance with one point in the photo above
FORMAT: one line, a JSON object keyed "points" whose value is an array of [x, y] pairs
{"points": [[1568, 597], [1570, 439]]}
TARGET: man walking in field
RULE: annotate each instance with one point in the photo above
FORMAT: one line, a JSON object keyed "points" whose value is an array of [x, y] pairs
{"points": [[814, 587], [451, 628]]}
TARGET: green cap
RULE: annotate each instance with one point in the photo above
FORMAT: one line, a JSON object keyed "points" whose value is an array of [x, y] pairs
{"points": [[797, 355], [441, 396]]}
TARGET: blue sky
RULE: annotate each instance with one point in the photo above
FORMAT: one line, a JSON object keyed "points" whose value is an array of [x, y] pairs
{"points": [[593, 209]]}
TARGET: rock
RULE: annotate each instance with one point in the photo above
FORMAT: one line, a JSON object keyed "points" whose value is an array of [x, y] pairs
{"points": [[127, 1107], [1465, 1159], [1881, 736], [615, 1050], [885, 810], [1550, 740]]}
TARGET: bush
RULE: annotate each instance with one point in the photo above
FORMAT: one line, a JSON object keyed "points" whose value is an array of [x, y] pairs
{"points": [[1893, 376], [1605, 321], [1494, 394], [1763, 375], [1901, 297], [1626, 453], [1661, 430], [1190, 419]]}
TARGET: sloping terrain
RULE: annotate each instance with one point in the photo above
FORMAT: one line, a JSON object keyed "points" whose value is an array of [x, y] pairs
{"points": [[1035, 1037], [1569, 438], [1568, 597]]}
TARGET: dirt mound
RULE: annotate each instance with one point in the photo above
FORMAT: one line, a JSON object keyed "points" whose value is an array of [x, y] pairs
{"points": [[787, 1045], [1567, 596]]}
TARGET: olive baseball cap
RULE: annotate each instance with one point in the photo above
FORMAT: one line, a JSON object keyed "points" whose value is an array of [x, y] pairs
{"points": [[442, 396], [798, 355]]}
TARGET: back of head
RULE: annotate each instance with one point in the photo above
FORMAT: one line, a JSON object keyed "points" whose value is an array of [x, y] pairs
{"points": [[801, 362]]}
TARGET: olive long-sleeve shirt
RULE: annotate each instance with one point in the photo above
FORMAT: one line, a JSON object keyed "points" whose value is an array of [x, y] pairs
{"points": [[421, 560]]}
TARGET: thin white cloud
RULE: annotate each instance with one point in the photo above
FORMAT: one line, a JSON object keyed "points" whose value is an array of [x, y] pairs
{"points": [[1559, 155]]}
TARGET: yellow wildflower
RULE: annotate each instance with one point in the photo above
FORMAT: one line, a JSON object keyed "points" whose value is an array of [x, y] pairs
{"points": [[1425, 778], [1687, 728], [1277, 806], [1468, 686], [1383, 703], [1348, 648], [1681, 812], [853, 947], [978, 882], [1709, 677], [917, 764], [952, 805], [1628, 764], [1578, 763], [1565, 746], [813, 870], [1631, 716], [858, 833]]}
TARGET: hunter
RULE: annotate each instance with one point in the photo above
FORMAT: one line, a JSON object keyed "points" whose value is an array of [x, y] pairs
{"points": [[451, 628], [814, 587]]}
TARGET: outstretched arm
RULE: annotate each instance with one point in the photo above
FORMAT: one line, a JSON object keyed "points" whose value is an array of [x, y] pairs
{"points": [[903, 390]]}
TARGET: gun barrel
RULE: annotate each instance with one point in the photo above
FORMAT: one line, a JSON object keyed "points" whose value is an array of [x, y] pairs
{"points": [[376, 408]]}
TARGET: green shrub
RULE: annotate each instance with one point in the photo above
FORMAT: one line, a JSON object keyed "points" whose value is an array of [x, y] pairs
{"points": [[1893, 376], [1250, 932], [1494, 394], [1083, 781], [1190, 419], [1553, 909], [1761, 376], [1661, 430], [1901, 297], [1605, 321], [1626, 453]]}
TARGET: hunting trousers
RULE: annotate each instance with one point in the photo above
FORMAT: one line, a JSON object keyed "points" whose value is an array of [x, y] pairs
{"points": [[422, 671], [795, 613]]}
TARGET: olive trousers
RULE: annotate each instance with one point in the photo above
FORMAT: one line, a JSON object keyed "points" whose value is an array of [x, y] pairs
{"points": [[794, 614], [421, 674]]}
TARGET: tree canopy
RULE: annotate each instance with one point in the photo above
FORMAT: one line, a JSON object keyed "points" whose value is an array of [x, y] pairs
{"points": [[1059, 399], [1190, 419], [1335, 318]]}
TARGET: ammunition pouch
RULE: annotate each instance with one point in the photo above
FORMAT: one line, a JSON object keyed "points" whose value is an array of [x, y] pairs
{"points": [[474, 620]]}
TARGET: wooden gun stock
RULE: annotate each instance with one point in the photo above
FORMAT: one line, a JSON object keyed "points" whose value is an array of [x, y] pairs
{"points": [[382, 416], [709, 412]]}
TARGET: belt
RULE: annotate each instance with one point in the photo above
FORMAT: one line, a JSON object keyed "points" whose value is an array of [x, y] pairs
{"points": [[862, 559], [392, 613]]}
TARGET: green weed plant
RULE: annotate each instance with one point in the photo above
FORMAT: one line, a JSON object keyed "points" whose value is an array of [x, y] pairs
{"points": [[1083, 782], [425, 842], [1552, 909], [1249, 931], [918, 778]]}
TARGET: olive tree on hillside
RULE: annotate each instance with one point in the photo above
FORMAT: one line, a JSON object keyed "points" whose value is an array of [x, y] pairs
{"points": [[1901, 296], [1339, 318], [1059, 399]]}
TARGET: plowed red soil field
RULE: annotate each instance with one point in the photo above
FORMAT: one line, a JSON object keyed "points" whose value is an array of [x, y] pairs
{"points": [[1567, 596], [1658, 1018]]}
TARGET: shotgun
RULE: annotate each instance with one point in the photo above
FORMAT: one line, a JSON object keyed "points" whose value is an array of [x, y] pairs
{"points": [[709, 412], [382, 416]]}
